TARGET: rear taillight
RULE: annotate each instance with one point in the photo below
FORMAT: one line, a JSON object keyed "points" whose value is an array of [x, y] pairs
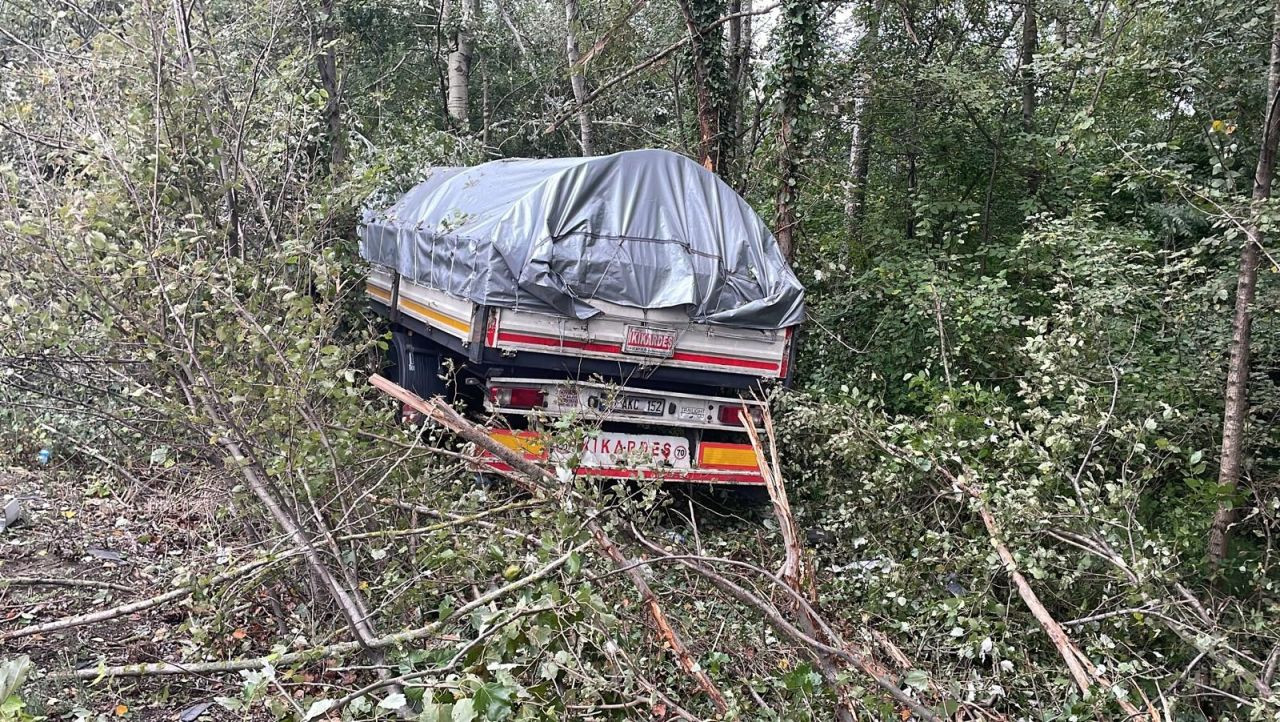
{"points": [[517, 397], [732, 415]]}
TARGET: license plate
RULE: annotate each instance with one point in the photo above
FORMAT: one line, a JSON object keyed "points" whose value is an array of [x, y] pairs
{"points": [[636, 450], [646, 405], [649, 341]]}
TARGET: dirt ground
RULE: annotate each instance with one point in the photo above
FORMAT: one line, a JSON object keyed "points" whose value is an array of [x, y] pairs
{"points": [[78, 530]]}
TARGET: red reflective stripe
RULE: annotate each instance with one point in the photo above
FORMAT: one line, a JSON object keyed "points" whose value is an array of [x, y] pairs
{"points": [[726, 361], [563, 343], [712, 477], [616, 349]]}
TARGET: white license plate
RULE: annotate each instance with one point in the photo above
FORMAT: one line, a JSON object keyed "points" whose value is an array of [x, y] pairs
{"points": [[636, 450], [647, 405], [649, 341]]}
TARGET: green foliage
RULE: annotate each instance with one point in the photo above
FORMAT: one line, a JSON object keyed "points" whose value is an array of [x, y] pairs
{"points": [[1039, 308]]}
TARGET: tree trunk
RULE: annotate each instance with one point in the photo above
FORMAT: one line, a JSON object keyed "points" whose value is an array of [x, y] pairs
{"points": [[732, 93], [577, 77], [707, 108], [797, 47], [912, 187], [1236, 408], [1030, 40], [785, 203], [460, 65], [860, 141], [327, 65]]}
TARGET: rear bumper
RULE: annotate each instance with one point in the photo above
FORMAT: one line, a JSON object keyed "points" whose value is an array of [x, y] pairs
{"points": [[711, 463]]}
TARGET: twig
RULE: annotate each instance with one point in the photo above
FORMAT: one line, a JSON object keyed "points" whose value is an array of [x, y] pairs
{"points": [[1082, 670], [58, 582], [452, 663], [648, 62], [794, 572], [780, 623]]}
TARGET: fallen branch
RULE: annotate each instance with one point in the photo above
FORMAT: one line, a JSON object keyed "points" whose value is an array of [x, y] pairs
{"points": [[1082, 670], [58, 582], [140, 605], [539, 480], [779, 622], [321, 652], [794, 572]]}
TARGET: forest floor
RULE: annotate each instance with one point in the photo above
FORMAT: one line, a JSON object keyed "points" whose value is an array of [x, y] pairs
{"points": [[86, 545], [141, 541]]}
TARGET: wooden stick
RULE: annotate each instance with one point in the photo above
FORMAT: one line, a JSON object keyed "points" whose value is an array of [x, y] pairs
{"points": [[779, 622], [437, 514]]}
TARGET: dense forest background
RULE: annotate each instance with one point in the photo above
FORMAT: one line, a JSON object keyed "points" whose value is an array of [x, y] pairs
{"points": [[1032, 233]]}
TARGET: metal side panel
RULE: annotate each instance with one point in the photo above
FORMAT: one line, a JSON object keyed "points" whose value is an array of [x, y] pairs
{"points": [[760, 353], [437, 309]]}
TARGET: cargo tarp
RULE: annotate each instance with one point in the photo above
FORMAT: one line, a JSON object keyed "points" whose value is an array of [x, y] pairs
{"points": [[647, 228]]}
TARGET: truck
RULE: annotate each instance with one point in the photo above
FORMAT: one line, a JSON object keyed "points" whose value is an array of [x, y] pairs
{"points": [[636, 293]]}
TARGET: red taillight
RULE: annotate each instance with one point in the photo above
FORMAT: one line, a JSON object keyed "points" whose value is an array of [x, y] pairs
{"points": [[517, 397], [732, 415]]}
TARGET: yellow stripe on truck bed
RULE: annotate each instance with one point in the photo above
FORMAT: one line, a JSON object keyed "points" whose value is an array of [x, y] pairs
{"points": [[377, 292], [434, 315], [429, 314]]}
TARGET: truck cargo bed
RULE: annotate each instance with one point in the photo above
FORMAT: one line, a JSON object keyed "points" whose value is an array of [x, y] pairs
{"points": [[620, 343]]}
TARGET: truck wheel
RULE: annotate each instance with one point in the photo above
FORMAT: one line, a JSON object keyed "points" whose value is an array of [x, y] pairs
{"points": [[413, 366]]}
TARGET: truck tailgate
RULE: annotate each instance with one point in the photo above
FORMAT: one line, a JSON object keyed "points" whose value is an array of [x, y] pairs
{"points": [[663, 337]]}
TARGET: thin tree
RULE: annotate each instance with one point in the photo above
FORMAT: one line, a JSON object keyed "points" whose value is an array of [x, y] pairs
{"points": [[1026, 56], [860, 140], [460, 62], [577, 77], [798, 39], [739, 50], [1237, 389], [707, 55], [327, 67]]}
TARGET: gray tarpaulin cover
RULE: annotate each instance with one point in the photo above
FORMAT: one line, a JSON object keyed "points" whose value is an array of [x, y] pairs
{"points": [[645, 228]]}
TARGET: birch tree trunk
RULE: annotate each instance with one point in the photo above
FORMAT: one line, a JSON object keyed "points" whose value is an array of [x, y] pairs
{"points": [[860, 141], [460, 65], [577, 77], [1236, 408], [1030, 39]]}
